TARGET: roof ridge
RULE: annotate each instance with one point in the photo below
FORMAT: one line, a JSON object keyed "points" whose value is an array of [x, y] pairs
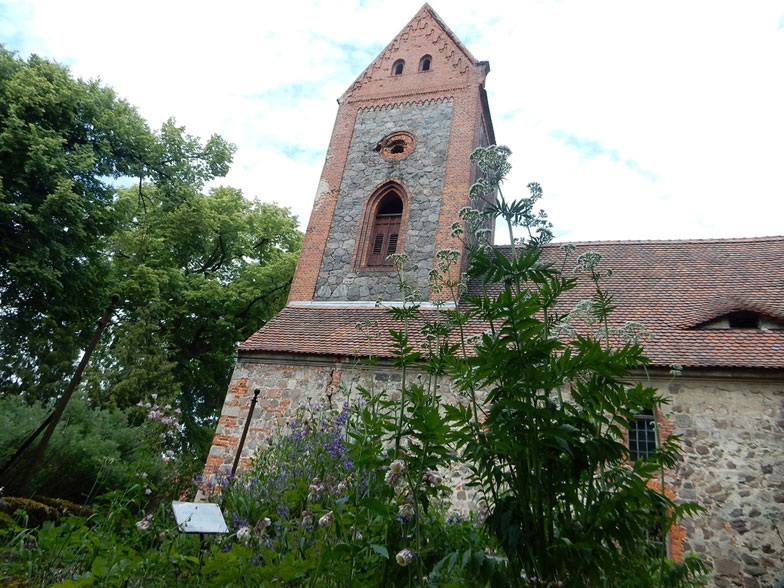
{"points": [[765, 239]]}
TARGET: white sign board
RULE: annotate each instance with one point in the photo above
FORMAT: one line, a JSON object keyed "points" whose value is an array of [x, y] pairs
{"points": [[199, 517]]}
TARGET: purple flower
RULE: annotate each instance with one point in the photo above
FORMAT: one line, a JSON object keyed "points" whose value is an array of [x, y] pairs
{"points": [[432, 478]]}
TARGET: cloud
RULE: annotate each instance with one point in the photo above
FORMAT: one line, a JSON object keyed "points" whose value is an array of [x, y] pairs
{"points": [[589, 148], [640, 121]]}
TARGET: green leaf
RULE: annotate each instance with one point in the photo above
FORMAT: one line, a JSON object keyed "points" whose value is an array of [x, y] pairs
{"points": [[374, 505], [380, 550]]}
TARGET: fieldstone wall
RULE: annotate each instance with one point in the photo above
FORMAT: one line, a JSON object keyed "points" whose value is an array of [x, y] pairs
{"points": [[733, 465], [284, 387], [421, 172]]}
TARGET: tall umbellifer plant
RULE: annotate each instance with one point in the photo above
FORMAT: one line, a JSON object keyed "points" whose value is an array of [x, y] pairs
{"points": [[545, 440]]}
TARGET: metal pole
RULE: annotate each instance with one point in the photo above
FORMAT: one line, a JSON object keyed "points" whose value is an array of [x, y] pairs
{"points": [[61, 404], [245, 431]]}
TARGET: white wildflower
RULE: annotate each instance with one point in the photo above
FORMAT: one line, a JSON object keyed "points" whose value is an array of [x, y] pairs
{"points": [[395, 473], [145, 523], [404, 557], [326, 519], [244, 534], [432, 478], [588, 261]]}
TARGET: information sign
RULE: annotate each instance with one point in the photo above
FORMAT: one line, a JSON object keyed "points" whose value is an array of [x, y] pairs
{"points": [[199, 517]]}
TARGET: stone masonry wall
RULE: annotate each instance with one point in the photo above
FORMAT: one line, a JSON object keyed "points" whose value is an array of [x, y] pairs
{"points": [[283, 388], [421, 172], [733, 466], [733, 461]]}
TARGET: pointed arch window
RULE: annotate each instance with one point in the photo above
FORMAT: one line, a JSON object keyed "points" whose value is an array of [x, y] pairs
{"points": [[385, 234], [424, 63], [397, 67], [383, 227]]}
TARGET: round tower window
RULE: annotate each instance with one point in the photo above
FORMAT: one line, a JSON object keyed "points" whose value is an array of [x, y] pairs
{"points": [[396, 146]]}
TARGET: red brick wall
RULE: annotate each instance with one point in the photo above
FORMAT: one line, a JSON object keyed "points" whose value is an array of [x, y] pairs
{"points": [[457, 180], [304, 284]]}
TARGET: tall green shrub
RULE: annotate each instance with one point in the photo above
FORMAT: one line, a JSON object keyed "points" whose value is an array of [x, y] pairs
{"points": [[545, 440]]}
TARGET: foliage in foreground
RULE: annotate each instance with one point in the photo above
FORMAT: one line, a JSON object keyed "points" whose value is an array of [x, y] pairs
{"points": [[327, 505], [548, 405], [94, 451], [358, 497]]}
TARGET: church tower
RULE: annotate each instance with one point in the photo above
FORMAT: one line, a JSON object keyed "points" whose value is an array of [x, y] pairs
{"points": [[396, 174], [397, 171]]}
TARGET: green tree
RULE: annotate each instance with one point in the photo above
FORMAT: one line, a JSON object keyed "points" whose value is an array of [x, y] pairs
{"points": [[91, 450], [64, 143], [198, 275], [198, 272]]}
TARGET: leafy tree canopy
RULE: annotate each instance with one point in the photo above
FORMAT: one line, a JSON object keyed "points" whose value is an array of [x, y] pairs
{"points": [[199, 275], [197, 272]]}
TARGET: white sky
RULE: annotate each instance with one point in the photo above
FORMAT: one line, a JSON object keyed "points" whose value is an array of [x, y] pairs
{"points": [[641, 120]]}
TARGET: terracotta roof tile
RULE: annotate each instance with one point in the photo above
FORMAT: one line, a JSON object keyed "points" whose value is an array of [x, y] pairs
{"points": [[668, 286]]}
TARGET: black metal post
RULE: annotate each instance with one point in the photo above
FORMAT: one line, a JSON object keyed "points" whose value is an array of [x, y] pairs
{"points": [[245, 431], [61, 404]]}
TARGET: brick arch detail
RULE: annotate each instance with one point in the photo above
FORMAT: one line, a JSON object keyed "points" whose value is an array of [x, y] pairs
{"points": [[369, 210], [413, 102]]}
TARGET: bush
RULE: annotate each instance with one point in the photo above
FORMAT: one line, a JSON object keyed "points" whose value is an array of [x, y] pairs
{"points": [[326, 505], [91, 449], [94, 451]]}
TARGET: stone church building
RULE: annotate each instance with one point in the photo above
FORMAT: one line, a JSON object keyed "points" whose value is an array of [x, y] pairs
{"points": [[396, 174]]}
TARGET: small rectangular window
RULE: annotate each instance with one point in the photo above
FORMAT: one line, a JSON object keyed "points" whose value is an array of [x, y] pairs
{"points": [[642, 436]]}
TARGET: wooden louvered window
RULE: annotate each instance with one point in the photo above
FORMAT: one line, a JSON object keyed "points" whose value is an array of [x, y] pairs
{"points": [[386, 229]]}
